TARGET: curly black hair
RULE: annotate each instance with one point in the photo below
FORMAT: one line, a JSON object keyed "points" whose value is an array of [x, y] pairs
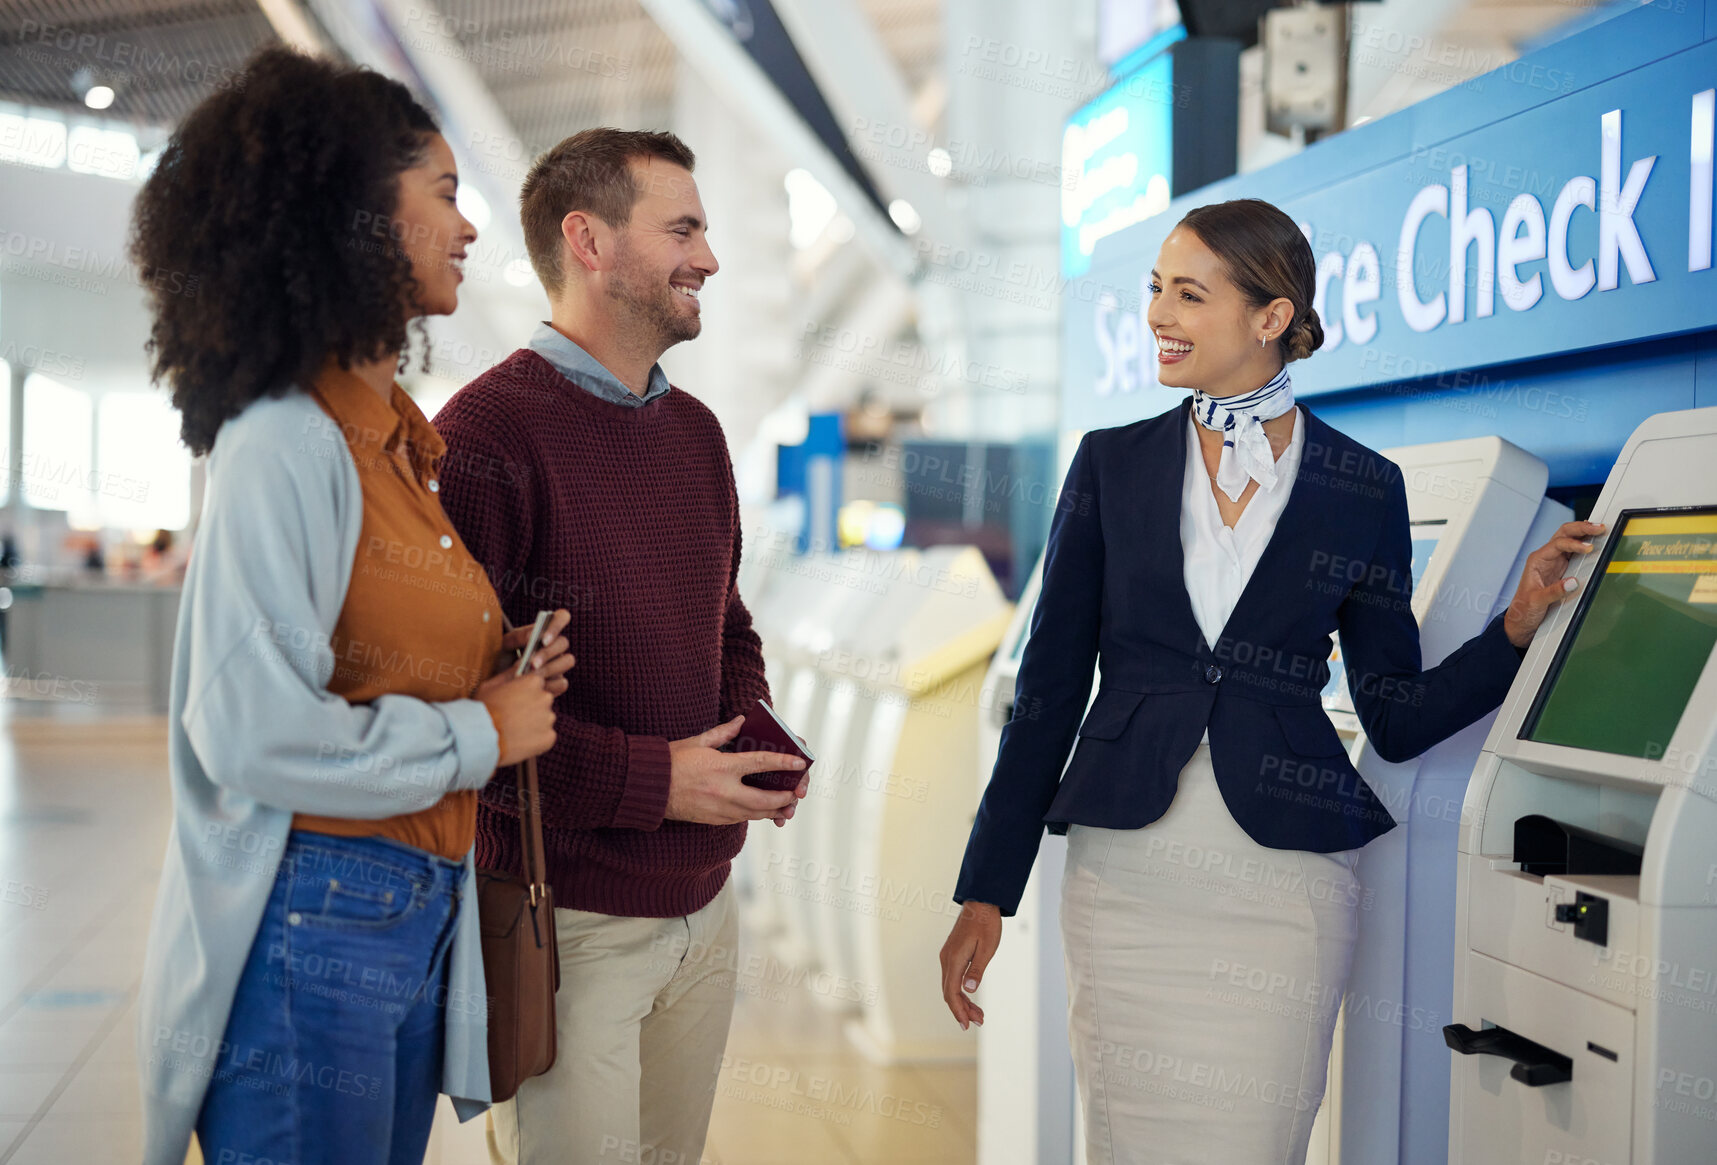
{"points": [[257, 234]]}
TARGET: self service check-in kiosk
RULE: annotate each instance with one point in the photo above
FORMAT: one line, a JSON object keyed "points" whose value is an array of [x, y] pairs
{"points": [[823, 606], [877, 660], [790, 597], [913, 800], [1477, 509], [1585, 1009]]}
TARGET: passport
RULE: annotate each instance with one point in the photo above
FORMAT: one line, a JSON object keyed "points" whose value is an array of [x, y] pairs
{"points": [[765, 731]]}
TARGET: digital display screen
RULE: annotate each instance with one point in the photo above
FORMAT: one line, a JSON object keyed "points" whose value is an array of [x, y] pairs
{"points": [[1117, 158], [1425, 538], [1640, 640]]}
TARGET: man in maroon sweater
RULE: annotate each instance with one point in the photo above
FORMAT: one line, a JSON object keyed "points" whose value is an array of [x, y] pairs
{"points": [[581, 479]]}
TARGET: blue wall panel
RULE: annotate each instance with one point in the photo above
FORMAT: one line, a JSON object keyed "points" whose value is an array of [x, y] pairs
{"points": [[1574, 412]]}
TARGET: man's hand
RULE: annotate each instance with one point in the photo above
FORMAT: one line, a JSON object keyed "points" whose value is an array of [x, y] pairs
{"points": [[704, 784], [970, 946], [1542, 584]]}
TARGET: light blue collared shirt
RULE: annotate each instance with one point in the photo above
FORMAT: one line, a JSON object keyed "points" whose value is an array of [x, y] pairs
{"points": [[587, 371]]}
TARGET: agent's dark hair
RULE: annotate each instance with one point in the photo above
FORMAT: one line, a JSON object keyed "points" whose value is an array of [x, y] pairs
{"points": [[589, 171], [265, 234], [1267, 258]]}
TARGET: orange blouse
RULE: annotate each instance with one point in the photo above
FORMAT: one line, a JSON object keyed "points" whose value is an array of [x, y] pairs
{"points": [[420, 618]]}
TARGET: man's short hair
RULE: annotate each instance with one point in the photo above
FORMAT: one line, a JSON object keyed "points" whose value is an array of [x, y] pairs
{"points": [[589, 171]]}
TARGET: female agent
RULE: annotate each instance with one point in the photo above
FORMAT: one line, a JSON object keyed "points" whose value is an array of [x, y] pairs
{"points": [[1204, 557], [314, 976]]}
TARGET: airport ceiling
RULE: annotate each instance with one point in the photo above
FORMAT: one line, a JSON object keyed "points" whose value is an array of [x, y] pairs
{"points": [[554, 66], [557, 66], [163, 54]]}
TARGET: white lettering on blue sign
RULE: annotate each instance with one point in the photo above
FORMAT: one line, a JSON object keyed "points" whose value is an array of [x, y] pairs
{"points": [[1699, 183], [1494, 253]]}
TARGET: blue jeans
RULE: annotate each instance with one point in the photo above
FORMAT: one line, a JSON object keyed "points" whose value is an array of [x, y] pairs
{"points": [[333, 1047]]}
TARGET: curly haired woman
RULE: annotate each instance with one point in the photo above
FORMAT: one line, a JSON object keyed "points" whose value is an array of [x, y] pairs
{"points": [[314, 975]]}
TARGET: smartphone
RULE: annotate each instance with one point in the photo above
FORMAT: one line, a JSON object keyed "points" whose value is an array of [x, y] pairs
{"points": [[533, 642]]}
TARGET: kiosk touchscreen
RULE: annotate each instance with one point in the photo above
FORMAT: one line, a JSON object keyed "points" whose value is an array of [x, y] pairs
{"points": [[1585, 1007], [1337, 700], [1476, 509], [1655, 597]]}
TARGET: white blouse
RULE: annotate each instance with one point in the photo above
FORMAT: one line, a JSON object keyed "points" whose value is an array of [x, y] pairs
{"points": [[1219, 560]]}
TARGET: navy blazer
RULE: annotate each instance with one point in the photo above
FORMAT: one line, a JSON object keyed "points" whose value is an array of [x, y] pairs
{"points": [[1114, 593]]}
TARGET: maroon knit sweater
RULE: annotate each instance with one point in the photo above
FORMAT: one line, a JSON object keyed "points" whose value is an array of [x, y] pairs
{"points": [[627, 517]]}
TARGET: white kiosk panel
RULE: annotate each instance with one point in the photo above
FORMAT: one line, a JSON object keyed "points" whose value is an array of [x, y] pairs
{"points": [[1475, 506]]}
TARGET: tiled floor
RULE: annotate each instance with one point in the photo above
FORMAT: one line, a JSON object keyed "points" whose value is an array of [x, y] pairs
{"points": [[83, 823], [794, 1092]]}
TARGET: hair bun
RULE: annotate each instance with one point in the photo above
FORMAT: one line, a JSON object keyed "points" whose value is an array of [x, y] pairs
{"points": [[1305, 336]]}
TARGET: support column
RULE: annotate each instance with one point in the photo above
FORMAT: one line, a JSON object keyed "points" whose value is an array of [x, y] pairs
{"points": [[742, 365], [1015, 70]]}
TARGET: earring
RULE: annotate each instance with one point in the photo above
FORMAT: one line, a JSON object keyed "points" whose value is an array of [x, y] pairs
{"points": [[1262, 340]]}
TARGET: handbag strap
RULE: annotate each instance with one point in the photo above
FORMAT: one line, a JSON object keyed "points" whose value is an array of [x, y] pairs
{"points": [[530, 817], [531, 831]]}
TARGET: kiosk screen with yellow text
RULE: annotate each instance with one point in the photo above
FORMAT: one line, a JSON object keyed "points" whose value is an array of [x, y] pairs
{"points": [[1640, 642]]}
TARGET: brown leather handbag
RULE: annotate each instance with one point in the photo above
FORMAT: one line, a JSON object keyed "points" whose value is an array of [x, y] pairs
{"points": [[520, 960]]}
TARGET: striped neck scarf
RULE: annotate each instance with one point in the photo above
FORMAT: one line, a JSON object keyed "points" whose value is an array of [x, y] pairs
{"points": [[1246, 454]]}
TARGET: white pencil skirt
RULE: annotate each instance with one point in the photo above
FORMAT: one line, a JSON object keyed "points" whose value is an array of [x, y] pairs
{"points": [[1204, 973]]}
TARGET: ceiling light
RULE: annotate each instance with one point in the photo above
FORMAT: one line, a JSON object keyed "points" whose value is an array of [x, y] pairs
{"points": [[90, 90], [904, 216], [810, 208]]}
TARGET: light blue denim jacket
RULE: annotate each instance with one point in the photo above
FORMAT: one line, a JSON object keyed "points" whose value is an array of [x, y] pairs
{"points": [[256, 737]]}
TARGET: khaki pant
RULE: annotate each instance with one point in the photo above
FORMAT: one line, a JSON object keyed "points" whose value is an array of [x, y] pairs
{"points": [[641, 1018]]}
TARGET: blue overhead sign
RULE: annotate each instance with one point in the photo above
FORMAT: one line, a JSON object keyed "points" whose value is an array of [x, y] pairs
{"points": [[1117, 156], [1464, 232]]}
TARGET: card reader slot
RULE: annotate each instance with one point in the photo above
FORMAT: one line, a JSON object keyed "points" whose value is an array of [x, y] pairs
{"points": [[1534, 1064]]}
